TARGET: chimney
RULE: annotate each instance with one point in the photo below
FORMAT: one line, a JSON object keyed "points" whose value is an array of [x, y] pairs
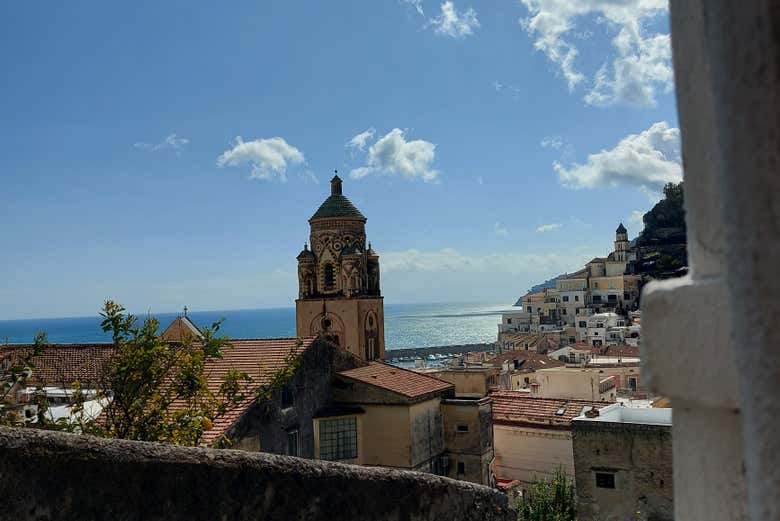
{"points": [[335, 185]]}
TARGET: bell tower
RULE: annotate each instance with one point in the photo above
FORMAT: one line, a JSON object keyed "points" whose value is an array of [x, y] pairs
{"points": [[338, 280], [622, 245]]}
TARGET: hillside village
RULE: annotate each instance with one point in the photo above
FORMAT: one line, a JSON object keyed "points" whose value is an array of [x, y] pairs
{"points": [[504, 419]]}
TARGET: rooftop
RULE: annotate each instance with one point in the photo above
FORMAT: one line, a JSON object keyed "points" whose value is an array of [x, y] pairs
{"points": [[617, 413], [260, 359], [512, 407], [528, 360], [62, 364], [337, 205], [398, 380]]}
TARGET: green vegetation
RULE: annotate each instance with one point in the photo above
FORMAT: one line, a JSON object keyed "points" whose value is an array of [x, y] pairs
{"points": [[150, 389], [552, 500], [662, 243]]}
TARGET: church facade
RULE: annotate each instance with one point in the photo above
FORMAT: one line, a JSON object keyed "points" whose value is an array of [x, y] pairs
{"points": [[339, 293]]}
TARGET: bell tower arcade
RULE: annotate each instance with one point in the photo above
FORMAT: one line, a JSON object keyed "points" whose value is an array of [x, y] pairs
{"points": [[338, 280]]}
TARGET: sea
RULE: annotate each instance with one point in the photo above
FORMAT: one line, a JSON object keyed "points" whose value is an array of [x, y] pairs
{"points": [[406, 325]]}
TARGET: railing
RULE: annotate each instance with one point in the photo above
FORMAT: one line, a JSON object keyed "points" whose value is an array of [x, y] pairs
{"points": [[607, 384]]}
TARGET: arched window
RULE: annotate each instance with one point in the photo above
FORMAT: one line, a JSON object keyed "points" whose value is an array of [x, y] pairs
{"points": [[330, 276]]}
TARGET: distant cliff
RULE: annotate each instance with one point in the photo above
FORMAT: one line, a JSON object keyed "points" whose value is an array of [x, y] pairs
{"points": [[662, 245], [547, 284]]}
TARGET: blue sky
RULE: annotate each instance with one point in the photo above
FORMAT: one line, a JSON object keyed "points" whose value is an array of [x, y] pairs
{"points": [[170, 153]]}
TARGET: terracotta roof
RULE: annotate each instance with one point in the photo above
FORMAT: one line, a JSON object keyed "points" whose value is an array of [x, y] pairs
{"points": [[401, 381], [180, 329], [539, 293], [541, 342], [337, 205], [62, 364], [513, 407], [260, 359], [529, 360], [620, 350]]}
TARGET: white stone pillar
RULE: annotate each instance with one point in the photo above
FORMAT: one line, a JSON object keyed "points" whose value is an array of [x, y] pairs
{"points": [[710, 339]]}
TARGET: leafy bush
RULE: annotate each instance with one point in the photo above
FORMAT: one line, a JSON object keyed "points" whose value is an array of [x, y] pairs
{"points": [[549, 500]]}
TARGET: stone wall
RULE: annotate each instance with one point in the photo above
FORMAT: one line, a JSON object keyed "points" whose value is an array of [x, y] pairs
{"points": [[639, 457], [265, 426], [52, 476]]}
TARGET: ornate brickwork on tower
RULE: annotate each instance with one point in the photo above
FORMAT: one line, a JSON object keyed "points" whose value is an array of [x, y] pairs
{"points": [[338, 280]]}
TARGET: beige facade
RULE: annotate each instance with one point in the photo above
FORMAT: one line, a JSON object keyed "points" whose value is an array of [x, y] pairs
{"points": [[468, 438], [338, 278], [528, 453], [469, 382], [574, 383]]}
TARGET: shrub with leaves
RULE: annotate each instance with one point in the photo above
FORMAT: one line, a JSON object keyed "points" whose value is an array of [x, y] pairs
{"points": [[549, 500], [157, 390]]}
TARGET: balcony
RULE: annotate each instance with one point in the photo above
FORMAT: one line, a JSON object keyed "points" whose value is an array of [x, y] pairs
{"points": [[607, 384]]}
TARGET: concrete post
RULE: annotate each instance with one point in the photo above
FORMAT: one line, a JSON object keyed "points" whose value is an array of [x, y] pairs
{"points": [[707, 342]]}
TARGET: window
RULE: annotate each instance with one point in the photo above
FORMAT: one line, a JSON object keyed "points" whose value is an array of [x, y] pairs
{"points": [[292, 443], [338, 439], [330, 276], [612, 298], [583, 323], [626, 296], [576, 298], [462, 428], [572, 340], [566, 298], [632, 383], [597, 299], [563, 311], [509, 321], [288, 397], [605, 480], [461, 468], [611, 284], [596, 285]]}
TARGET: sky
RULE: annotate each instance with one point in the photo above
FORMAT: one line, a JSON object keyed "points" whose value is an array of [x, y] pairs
{"points": [[171, 153]]}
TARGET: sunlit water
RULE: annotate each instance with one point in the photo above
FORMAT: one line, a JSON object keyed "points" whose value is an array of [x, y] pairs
{"points": [[406, 325]]}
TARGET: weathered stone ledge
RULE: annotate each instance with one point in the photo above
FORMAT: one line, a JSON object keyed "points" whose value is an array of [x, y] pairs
{"points": [[55, 476]]}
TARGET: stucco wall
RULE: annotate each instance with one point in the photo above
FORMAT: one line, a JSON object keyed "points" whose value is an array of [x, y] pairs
{"points": [[427, 441], [385, 436], [51, 476], [640, 456], [526, 453]]}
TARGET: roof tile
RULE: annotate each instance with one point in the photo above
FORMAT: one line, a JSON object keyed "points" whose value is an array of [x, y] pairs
{"points": [[397, 380]]}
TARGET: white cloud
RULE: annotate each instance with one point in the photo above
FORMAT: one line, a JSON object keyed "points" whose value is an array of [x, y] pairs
{"points": [[637, 217], [359, 141], [497, 86], [641, 64], [647, 160], [417, 4], [554, 142], [453, 23], [500, 230], [171, 142], [269, 158], [450, 260], [392, 154], [547, 227]]}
